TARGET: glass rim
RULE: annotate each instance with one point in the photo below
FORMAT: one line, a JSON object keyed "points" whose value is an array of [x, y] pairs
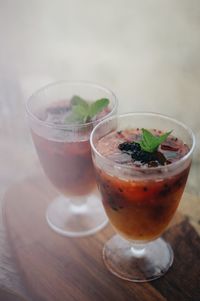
{"points": [[128, 167], [70, 82]]}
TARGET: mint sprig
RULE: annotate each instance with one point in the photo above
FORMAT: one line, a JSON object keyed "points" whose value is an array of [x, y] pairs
{"points": [[83, 111], [149, 142], [77, 100]]}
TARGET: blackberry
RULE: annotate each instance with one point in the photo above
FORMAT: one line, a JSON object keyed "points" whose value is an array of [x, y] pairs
{"points": [[142, 156], [137, 154], [135, 147], [125, 146], [161, 158], [129, 147]]}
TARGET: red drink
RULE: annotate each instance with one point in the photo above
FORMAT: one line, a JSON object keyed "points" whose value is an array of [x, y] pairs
{"points": [[141, 173], [141, 209], [68, 164], [61, 118]]}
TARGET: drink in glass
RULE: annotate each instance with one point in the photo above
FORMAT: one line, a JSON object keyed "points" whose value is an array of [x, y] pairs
{"points": [[140, 190], [61, 138]]}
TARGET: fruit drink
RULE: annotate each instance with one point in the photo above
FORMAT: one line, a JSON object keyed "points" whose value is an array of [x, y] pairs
{"points": [[65, 155], [141, 207]]}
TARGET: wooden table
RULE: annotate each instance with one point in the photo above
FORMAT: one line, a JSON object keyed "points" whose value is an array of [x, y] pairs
{"points": [[55, 268], [18, 161]]}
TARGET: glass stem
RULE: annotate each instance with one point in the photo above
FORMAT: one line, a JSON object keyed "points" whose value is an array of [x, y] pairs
{"points": [[138, 250], [78, 204]]}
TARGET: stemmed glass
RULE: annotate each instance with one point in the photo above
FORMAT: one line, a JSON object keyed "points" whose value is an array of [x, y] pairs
{"points": [[139, 202], [65, 155]]}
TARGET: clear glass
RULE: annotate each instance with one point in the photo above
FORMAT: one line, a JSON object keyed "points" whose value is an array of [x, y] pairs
{"points": [[140, 203], [65, 155]]}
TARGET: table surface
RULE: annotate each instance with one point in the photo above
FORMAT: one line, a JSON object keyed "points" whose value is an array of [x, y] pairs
{"points": [[18, 160], [57, 268]]}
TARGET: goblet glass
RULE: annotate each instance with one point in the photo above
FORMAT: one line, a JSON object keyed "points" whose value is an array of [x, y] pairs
{"points": [[140, 201], [65, 155]]}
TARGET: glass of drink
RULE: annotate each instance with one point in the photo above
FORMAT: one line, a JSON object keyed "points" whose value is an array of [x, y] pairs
{"points": [[61, 117], [140, 190]]}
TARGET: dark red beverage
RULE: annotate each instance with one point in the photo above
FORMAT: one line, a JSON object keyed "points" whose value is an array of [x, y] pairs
{"points": [[61, 117], [141, 208], [68, 165], [142, 161], [65, 155]]}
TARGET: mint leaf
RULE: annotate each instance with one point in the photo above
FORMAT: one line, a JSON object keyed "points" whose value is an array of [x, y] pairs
{"points": [[77, 100], [150, 143], [80, 113], [98, 106], [83, 111]]}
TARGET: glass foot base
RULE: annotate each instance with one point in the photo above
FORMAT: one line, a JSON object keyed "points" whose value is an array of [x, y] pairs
{"points": [[76, 220], [135, 262]]}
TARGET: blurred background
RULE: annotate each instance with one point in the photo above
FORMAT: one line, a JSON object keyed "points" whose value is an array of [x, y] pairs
{"points": [[146, 51]]}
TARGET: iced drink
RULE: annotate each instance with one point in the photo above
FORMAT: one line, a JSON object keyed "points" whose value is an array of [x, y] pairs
{"points": [[141, 209], [68, 164]]}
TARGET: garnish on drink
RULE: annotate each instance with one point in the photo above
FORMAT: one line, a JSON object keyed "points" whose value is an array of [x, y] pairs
{"points": [[83, 111], [146, 150]]}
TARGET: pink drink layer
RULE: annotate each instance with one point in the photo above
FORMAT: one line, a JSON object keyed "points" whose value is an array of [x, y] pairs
{"points": [[140, 208], [67, 162]]}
